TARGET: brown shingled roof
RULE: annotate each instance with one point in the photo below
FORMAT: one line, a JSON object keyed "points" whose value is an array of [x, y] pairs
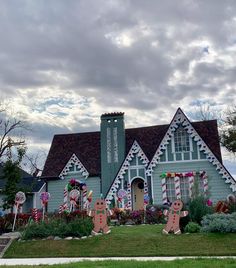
{"points": [[87, 146]]}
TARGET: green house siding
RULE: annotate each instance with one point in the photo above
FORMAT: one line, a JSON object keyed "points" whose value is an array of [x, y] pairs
{"points": [[56, 188], [93, 183], [217, 187]]}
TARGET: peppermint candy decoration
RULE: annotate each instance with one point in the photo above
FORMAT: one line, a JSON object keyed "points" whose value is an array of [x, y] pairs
{"points": [[121, 194], [74, 195], [20, 198], [44, 197]]}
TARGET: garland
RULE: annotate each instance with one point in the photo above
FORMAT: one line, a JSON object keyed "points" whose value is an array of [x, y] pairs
{"points": [[73, 184], [176, 176]]}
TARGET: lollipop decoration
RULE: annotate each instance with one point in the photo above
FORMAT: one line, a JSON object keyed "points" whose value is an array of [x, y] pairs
{"points": [[74, 196], [121, 195], [146, 199], [44, 197], [19, 200]]}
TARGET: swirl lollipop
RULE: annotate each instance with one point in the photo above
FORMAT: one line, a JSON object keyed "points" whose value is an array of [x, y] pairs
{"points": [[44, 197], [19, 200], [74, 196]]}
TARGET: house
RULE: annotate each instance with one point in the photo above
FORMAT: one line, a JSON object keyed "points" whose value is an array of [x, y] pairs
{"points": [[30, 185], [152, 164]]}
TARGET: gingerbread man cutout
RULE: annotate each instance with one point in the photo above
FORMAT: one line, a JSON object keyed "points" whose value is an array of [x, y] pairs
{"points": [[99, 215], [174, 214]]}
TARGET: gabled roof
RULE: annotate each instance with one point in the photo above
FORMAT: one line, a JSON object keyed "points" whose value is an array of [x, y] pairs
{"points": [[86, 146], [28, 182]]}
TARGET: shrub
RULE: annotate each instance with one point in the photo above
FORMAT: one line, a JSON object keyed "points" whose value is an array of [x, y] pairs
{"points": [[192, 227], [154, 214], [59, 227], [7, 220], [198, 209], [137, 216], [222, 223]]}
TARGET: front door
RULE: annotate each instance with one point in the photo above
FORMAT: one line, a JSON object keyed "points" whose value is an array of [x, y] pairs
{"points": [[138, 194]]}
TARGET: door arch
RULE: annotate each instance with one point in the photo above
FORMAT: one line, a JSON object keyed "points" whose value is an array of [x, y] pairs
{"points": [[137, 188]]}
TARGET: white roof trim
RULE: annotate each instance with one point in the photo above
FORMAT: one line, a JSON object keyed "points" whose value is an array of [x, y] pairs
{"points": [[74, 160], [135, 149], [180, 117]]}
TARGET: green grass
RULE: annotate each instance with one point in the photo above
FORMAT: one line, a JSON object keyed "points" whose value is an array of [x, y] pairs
{"points": [[144, 240], [216, 263]]}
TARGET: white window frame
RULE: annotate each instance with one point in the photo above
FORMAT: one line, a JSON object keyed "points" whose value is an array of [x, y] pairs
{"points": [[173, 149]]}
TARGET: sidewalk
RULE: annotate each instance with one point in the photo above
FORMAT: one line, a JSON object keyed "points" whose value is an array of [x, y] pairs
{"points": [[70, 260]]}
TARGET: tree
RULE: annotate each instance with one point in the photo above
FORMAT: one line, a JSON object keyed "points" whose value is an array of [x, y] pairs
{"points": [[228, 135], [10, 132], [12, 175]]}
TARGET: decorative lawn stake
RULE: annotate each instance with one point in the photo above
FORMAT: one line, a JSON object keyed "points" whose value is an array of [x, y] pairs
{"points": [[44, 197], [35, 215], [19, 200], [88, 200], [174, 214], [121, 195], [145, 203], [74, 196], [99, 215]]}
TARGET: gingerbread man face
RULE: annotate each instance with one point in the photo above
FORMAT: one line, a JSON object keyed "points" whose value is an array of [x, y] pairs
{"points": [[177, 205], [100, 204]]}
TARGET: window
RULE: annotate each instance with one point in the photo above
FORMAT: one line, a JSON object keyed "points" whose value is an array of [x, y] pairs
{"points": [[197, 187], [181, 140], [184, 189], [170, 189]]}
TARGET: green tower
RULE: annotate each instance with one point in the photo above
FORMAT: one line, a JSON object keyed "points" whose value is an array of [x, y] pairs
{"points": [[112, 147]]}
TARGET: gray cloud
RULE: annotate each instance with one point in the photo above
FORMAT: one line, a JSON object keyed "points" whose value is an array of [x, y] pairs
{"points": [[147, 56]]}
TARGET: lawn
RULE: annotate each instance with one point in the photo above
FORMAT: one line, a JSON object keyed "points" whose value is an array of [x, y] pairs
{"points": [[142, 240], [193, 263]]}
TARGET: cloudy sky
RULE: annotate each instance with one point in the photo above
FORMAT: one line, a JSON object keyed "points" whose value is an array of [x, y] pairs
{"points": [[64, 63]]}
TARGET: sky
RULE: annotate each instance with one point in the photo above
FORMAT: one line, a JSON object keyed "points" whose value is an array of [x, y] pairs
{"points": [[64, 63]]}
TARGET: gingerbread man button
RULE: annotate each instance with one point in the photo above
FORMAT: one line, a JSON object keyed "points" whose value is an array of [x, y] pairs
{"points": [[99, 215], [174, 214]]}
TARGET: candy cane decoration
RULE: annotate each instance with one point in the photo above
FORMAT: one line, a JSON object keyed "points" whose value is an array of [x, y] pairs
{"points": [[164, 193], [65, 196], [203, 176], [129, 196], [177, 187], [84, 196], [35, 215], [191, 182]]}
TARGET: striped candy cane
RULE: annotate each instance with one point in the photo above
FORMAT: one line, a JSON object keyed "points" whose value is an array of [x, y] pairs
{"points": [[164, 193], [35, 214], [191, 182], [84, 197], [129, 203], [203, 176], [65, 200], [177, 187]]}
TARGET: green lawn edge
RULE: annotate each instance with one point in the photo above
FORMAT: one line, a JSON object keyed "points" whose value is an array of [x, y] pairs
{"points": [[126, 241], [186, 263]]}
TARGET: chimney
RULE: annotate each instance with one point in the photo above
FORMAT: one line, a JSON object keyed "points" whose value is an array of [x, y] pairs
{"points": [[112, 147]]}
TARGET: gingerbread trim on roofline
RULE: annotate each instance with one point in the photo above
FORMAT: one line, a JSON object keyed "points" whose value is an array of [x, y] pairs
{"points": [[135, 149], [181, 118], [74, 160]]}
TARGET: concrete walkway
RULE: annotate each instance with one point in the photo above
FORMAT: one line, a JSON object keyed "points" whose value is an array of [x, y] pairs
{"points": [[50, 261]]}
